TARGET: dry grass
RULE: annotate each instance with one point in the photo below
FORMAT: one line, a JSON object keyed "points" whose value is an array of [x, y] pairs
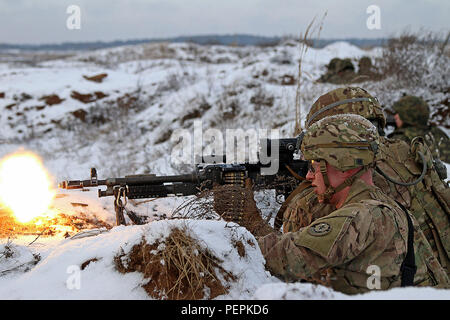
{"points": [[200, 207], [48, 226], [305, 43], [177, 269]]}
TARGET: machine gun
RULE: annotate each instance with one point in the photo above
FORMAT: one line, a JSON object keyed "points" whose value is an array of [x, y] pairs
{"points": [[205, 176]]}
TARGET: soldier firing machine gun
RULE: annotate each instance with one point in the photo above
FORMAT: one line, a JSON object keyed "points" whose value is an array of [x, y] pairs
{"points": [[205, 176]]}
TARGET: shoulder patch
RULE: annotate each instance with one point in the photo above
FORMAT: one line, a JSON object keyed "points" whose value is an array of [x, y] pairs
{"points": [[319, 229], [321, 235]]}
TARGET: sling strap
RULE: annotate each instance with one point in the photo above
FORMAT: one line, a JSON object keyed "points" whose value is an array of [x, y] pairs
{"points": [[408, 268]]}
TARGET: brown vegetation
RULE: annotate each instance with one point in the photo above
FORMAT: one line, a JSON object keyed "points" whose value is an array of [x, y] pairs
{"points": [[47, 226], [89, 97], [87, 262], [52, 99], [413, 57], [288, 80], [80, 114], [177, 269], [96, 78]]}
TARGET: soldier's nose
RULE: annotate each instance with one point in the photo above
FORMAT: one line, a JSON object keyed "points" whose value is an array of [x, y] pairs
{"points": [[310, 175]]}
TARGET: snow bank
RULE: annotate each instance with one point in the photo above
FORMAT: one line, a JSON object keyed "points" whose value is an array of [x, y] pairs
{"points": [[84, 268], [59, 276], [307, 291]]}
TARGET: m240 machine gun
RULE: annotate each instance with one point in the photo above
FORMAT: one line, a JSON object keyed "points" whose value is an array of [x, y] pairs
{"points": [[205, 176]]}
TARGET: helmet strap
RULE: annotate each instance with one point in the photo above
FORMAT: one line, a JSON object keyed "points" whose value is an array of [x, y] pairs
{"points": [[330, 190]]}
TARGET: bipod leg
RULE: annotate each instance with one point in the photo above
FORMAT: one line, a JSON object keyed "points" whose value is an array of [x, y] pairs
{"points": [[118, 207]]}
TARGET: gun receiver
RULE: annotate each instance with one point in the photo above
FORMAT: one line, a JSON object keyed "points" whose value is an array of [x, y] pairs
{"points": [[390, 121]]}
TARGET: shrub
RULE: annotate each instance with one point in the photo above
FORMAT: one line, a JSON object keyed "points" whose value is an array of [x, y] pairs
{"points": [[416, 59]]}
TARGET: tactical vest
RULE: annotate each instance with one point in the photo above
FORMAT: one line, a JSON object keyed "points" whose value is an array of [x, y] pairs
{"points": [[428, 200], [436, 139]]}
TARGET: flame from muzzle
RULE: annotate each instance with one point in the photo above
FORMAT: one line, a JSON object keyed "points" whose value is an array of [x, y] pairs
{"points": [[25, 186]]}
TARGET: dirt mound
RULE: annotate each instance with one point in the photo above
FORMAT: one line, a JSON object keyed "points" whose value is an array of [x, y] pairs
{"points": [[288, 80], [97, 78], [177, 268], [22, 97], [89, 97], [52, 99], [80, 114]]}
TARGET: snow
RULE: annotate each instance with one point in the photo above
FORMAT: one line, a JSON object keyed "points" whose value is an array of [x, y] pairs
{"points": [[52, 277], [99, 280], [170, 82], [61, 260]]}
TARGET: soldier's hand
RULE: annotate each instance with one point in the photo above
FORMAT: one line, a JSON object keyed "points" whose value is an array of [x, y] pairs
{"points": [[237, 204]]}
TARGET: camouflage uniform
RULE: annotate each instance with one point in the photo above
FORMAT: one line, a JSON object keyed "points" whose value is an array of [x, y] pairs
{"points": [[365, 66], [366, 70], [414, 112], [369, 229], [428, 200]]}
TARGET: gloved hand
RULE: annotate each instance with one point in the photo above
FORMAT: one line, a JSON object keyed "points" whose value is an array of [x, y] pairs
{"points": [[237, 204]]}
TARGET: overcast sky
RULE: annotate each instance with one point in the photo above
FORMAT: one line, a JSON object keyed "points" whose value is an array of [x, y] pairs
{"points": [[44, 21]]}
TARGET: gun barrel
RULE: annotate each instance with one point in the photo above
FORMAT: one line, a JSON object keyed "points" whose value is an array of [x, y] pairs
{"points": [[79, 184], [151, 179], [128, 180]]}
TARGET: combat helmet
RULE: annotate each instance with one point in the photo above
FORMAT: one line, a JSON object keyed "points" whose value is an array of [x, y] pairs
{"points": [[345, 141], [337, 65], [413, 111], [364, 65], [353, 100]]}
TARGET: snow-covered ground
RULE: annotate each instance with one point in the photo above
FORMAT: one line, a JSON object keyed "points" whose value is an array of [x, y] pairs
{"points": [[63, 270], [151, 91]]}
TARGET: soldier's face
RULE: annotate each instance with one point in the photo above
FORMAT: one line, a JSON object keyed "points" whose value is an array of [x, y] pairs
{"points": [[315, 176], [335, 176], [398, 120]]}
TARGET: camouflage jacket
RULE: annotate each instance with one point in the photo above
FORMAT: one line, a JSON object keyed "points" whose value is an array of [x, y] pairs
{"points": [[428, 200], [437, 140], [337, 249]]}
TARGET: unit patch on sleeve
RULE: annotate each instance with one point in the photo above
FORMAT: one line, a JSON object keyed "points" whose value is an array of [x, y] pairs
{"points": [[319, 229]]}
